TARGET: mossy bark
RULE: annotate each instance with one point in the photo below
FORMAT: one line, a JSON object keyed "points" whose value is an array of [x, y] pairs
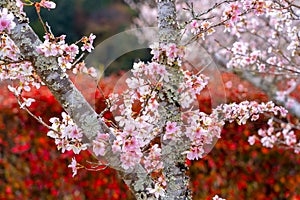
{"points": [[174, 162]]}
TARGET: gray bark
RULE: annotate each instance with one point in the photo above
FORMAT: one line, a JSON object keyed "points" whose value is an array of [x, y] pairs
{"points": [[174, 162]]}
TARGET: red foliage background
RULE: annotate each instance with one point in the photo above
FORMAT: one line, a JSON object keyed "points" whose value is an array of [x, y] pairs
{"points": [[32, 168]]}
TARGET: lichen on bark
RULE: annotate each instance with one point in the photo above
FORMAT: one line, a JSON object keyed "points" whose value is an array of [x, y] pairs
{"points": [[175, 168]]}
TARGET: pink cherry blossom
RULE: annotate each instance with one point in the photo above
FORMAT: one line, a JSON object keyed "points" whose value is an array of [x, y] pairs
{"points": [[92, 72], [195, 153], [6, 20], [67, 136], [99, 148], [171, 127], [171, 130], [73, 165], [130, 159], [251, 140], [153, 160], [216, 197], [27, 102], [158, 190], [20, 4], [47, 4], [88, 43], [194, 27]]}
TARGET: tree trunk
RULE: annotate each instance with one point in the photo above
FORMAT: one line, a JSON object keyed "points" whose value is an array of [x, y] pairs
{"points": [[174, 162]]}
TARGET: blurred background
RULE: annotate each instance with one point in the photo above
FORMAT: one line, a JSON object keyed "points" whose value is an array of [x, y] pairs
{"points": [[32, 168]]}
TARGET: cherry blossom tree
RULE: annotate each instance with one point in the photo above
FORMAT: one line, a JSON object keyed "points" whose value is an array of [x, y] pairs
{"points": [[157, 124]]}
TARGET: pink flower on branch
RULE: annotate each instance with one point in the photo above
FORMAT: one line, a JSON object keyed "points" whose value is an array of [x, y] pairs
{"points": [[6, 20], [216, 197], [88, 43], [73, 166], [172, 131], [47, 4]]}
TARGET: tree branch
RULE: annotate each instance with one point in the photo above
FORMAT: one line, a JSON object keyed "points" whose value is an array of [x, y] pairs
{"points": [[266, 86], [71, 98]]}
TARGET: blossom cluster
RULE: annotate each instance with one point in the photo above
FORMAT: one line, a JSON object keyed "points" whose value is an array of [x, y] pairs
{"points": [[8, 49], [152, 161], [171, 52], [100, 144], [66, 134], [57, 47], [23, 72], [12, 67], [243, 57], [6, 20], [234, 15], [267, 31], [202, 130], [247, 110], [202, 29], [136, 129], [277, 133], [271, 18], [136, 133], [191, 87], [159, 188], [81, 68]]}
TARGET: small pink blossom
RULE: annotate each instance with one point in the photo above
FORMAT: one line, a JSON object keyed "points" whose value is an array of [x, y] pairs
{"points": [[27, 102], [88, 43], [290, 138], [72, 50], [73, 165], [228, 84], [92, 37], [75, 133], [99, 148], [194, 27], [6, 20], [172, 51], [171, 130], [131, 144], [47, 4], [158, 190], [251, 140], [130, 159], [195, 153], [261, 68], [216, 197], [20, 4], [171, 127], [99, 144], [268, 141], [92, 72]]}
